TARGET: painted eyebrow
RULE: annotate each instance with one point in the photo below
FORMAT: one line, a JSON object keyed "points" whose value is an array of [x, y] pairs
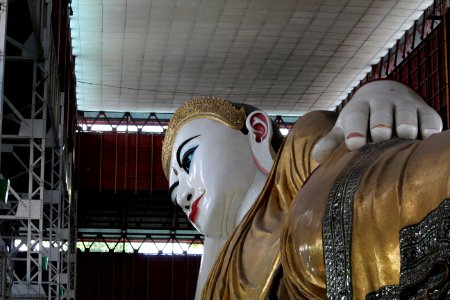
{"points": [[171, 188], [181, 147]]}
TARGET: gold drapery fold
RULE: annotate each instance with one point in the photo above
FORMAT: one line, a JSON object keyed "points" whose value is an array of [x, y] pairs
{"points": [[245, 267], [399, 189], [284, 226]]}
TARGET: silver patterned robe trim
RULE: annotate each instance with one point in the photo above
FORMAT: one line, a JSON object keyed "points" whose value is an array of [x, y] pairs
{"points": [[425, 256], [424, 259], [386, 292], [337, 221]]}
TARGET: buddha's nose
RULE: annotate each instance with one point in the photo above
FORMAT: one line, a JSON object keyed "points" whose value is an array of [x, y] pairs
{"points": [[184, 198]]}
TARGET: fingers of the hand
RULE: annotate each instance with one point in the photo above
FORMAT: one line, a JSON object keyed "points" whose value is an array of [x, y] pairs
{"points": [[406, 122], [326, 145], [430, 122], [355, 127], [381, 119]]}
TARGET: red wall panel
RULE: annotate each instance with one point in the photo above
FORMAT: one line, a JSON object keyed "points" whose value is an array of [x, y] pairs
{"points": [[104, 276], [119, 161]]}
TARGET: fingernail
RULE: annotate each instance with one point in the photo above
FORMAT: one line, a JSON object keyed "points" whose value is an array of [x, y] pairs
{"points": [[428, 132], [355, 142], [381, 126], [355, 135]]}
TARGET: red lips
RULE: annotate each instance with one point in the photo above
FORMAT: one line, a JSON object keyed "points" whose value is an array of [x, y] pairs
{"points": [[194, 210]]}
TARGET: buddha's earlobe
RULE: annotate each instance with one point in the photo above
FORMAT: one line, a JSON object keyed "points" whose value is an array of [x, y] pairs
{"points": [[260, 131]]}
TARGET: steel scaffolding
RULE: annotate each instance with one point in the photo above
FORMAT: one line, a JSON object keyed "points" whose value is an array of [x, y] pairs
{"points": [[37, 233]]}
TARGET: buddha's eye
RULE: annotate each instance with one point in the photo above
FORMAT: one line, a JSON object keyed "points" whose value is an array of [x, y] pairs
{"points": [[187, 159]]}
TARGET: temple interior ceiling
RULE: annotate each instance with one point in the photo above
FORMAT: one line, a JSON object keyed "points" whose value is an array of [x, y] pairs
{"points": [[285, 56]]}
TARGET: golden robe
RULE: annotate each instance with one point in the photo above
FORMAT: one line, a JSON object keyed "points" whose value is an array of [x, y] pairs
{"points": [[355, 227]]}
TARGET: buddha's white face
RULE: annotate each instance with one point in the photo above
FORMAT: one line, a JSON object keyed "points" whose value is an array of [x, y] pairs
{"points": [[211, 170]]}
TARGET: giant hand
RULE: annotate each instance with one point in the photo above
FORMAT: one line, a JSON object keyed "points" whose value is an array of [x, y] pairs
{"points": [[384, 106]]}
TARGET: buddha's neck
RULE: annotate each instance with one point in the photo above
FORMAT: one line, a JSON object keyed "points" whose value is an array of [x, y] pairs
{"points": [[253, 192], [211, 247]]}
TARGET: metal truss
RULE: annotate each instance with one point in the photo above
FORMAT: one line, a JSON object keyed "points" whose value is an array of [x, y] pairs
{"points": [[164, 241], [61, 252], [36, 229], [117, 121], [24, 212]]}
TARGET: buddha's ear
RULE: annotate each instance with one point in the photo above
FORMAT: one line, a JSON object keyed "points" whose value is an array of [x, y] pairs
{"points": [[260, 133]]}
